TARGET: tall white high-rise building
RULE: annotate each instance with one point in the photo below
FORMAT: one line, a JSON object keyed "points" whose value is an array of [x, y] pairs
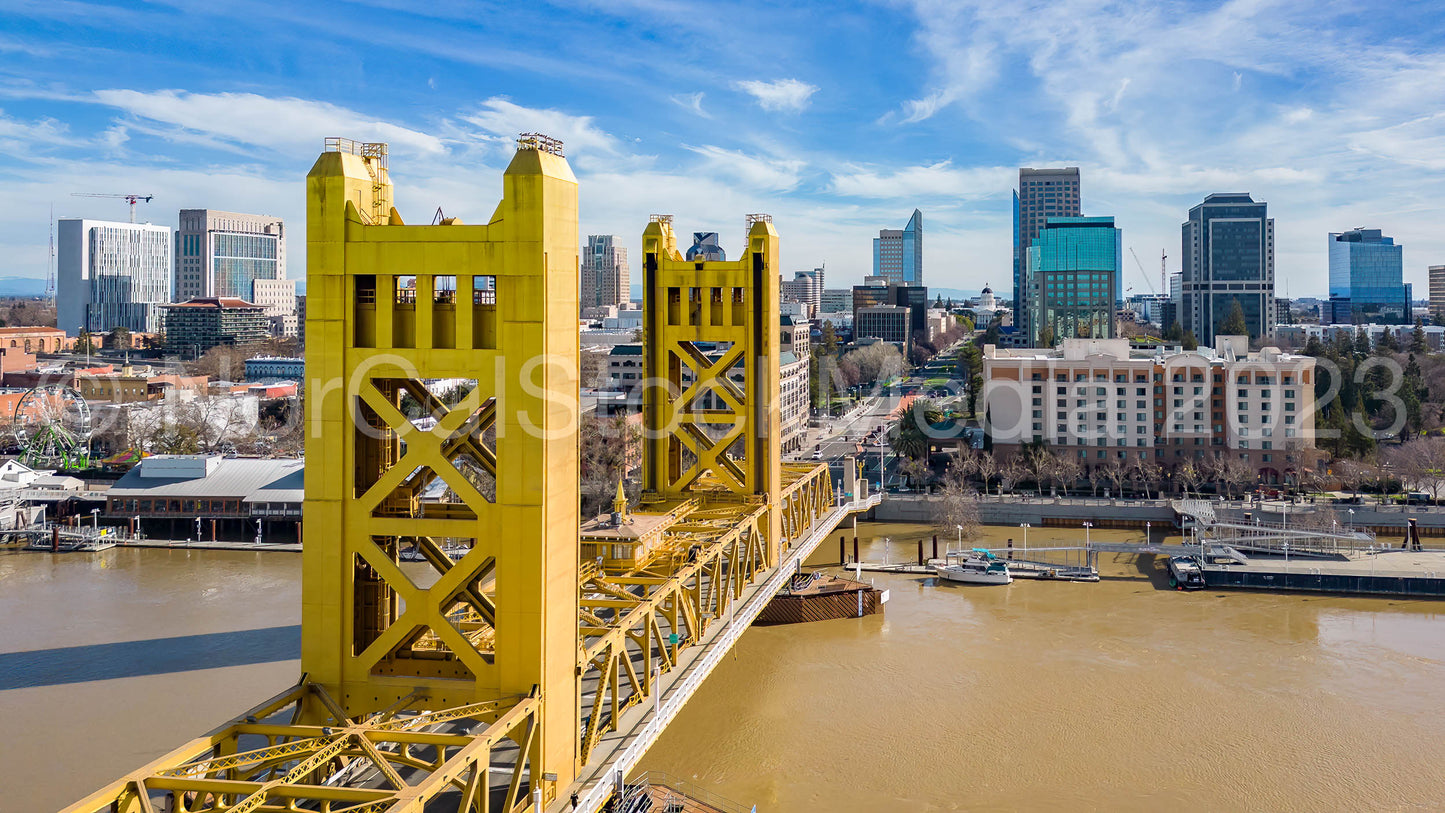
{"points": [[220, 254], [605, 277], [111, 275]]}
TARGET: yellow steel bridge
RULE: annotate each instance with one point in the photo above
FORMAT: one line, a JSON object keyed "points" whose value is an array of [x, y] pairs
{"points": [[540, 665]]}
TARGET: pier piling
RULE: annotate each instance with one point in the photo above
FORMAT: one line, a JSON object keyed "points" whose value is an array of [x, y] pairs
{"points": [[935, 546], [842, 550], [920, 551], [855, 548]]}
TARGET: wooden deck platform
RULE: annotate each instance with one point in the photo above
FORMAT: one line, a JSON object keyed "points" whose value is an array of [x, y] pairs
{"points": [[821, 597]]}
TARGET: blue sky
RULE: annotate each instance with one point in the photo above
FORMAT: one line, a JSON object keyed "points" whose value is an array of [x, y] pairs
{"points": [[837, 119]]}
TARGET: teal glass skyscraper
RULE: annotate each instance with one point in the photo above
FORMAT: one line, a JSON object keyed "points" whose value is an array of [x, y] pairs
{"points": [[1367, 279], [1071, 277]]}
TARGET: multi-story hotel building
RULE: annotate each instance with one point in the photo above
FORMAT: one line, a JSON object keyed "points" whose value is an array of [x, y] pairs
{"points": [[1097, 399]]}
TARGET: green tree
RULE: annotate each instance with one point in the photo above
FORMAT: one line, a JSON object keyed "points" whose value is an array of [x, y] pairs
{"points": [[1234, 324], [828, 342], [1175, 332], [118, 338], [1388, 344], [1417, 339], [1046, 336], [1362, 342], [1189, 342]]}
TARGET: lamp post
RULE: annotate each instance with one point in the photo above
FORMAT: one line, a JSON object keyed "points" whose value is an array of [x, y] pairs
{"points": [[1025, 526], [95, 517], [1147, 533], [1352, 519], [198, 529], [960, 538], [1087, 526]]}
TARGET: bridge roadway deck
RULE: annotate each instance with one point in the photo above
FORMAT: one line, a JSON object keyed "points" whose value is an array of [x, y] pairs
{"points": [[619, 751]]}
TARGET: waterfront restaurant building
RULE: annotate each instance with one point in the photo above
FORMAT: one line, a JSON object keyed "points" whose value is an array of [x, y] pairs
{"points": [[234, 498], [1097, 399]]}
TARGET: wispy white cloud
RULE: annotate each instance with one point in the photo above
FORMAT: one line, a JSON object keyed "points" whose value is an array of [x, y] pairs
{"points": [[690, 101], [780, 94], [752, 171], [1288, 99], [502, 120], [231, 119], [939, 180]]}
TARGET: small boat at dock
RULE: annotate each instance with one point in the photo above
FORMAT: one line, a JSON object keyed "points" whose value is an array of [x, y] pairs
{"points": [[1185, 573], [977, 566]]}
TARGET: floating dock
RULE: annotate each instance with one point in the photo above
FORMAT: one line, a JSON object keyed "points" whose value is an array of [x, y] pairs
{"points": [[1384, 573]]}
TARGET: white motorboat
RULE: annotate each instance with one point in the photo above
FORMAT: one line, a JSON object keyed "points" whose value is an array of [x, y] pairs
{"points": [[974, 567]]}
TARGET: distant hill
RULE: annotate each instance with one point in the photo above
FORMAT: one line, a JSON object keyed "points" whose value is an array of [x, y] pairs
{"points": [[22, 286]]}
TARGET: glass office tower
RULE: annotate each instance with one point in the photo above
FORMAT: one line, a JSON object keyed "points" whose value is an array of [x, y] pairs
{"points": [[898, 253], [1367, 279], [1228, 258], [1041, 194], [1072, 278]]}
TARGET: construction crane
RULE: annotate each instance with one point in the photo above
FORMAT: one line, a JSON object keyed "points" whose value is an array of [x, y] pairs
{"points": [[131, 199], [1142, 273]]}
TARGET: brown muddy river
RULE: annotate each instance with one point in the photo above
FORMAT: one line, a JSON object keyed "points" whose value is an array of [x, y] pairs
{"points": [[1120, 695]]}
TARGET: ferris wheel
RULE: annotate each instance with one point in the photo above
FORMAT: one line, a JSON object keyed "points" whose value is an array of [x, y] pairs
{"points": [[52, 425]]}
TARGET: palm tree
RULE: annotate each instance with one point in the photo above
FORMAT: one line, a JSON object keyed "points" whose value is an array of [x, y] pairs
{"points": [[910, 437]]}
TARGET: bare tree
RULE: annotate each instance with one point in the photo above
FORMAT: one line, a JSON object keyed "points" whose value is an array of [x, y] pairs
{"points": [[956, 506], [1146, 473], [1067, 471], [1353, 473], [608, 448], [1322, 518], [986, 467], [1237, 473], [1040, 466], [1114, 472], [1189, 477], [915, 470], [1010, 473], [593, 368]]}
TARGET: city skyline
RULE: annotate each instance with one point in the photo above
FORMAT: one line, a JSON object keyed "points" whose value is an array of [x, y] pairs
{"points": [[1326, 114]]}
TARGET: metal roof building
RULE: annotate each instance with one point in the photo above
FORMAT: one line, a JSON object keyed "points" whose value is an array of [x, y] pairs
{"points": [[194, 488]]}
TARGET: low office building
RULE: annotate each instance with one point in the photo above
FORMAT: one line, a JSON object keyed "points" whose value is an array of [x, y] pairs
{"points": [[1098, 400], [195, 326], [35, 339], [134, 384], [275, 368], [890, 323], [1297, 336], [205, 497]]}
